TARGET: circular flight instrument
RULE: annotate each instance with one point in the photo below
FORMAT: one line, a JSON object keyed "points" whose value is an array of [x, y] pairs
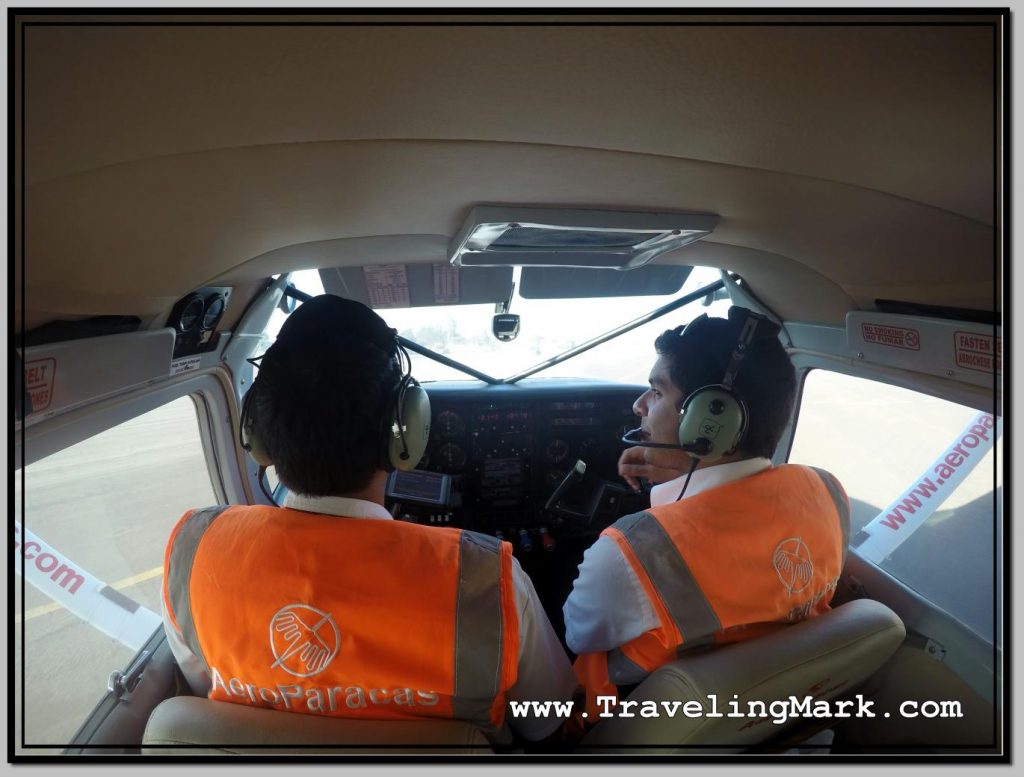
{"points": [[213, 313], [190, 314], [450, 424], [557, 451], [451, 457], [588, 447]]}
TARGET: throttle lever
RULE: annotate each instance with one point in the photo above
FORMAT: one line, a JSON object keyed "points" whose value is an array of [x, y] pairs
{"points": [[573, 476]]}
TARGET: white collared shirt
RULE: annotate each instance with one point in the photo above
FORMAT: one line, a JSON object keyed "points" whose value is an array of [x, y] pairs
{"points": [[544, 670], [707, 478], [342, 506], [608, 606]]}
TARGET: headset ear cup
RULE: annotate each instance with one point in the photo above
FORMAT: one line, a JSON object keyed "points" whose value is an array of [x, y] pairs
{"points": [[254, 445], [251, 441], [714, 414], [413, 426]]}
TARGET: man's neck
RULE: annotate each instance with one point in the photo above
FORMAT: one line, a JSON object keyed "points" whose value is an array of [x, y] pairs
{"points": [[374, 492], [732, 457]]}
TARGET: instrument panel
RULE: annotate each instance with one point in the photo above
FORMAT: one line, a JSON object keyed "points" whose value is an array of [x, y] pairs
{"points": [[506, 449]]}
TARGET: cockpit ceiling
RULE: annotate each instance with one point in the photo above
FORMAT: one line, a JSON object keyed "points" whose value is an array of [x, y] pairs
{"points": [[848, 162]]}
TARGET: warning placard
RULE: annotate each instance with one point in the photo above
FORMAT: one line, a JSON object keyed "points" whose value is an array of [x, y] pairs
{"points": [[894, 336], [188, 364], [978, 352], [446, 283], [387, 286], [39, 375]]}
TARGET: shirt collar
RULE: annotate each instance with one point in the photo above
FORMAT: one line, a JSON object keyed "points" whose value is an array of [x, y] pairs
{"points": [[341, 506], [707, 478]]}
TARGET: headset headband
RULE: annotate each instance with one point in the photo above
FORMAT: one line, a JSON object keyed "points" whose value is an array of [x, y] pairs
{"points": [[739, 352], [753, 326]]}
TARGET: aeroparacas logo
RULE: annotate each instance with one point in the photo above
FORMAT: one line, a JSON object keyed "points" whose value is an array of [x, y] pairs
{"points": [[793, 565], [303, 639]]}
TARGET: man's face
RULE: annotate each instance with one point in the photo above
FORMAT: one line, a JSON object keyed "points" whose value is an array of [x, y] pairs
{"points": [[658, 408]]}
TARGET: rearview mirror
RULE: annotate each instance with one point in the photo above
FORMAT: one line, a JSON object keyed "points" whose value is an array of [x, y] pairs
{"points": [[506, 326]]}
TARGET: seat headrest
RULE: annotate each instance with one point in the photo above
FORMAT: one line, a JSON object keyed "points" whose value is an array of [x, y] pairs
{"points": [[821, 658]]}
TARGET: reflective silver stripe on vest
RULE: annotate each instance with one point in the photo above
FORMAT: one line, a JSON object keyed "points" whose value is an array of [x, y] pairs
{"points": [[179, 574], [695, 645], [623, 671], [668, 571], [842, 506], [479, 628]]}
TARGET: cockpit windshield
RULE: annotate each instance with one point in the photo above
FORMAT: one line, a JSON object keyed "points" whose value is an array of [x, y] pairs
{"points": [[548, 327]]}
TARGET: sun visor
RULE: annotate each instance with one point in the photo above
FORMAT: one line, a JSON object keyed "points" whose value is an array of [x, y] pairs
{"points": [[64, 375], [497, 236], [580, 282], [418, 285]]}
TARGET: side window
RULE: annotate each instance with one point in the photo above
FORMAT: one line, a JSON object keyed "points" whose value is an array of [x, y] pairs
{"points": [[96, 518], [924, 489]]}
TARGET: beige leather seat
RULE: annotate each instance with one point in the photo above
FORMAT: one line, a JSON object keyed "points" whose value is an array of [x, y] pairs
{"points": [[188, 725], [824, 658]]}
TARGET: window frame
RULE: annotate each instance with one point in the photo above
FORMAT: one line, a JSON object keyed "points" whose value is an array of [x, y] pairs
{"points": [[216, 414], [206, 390], [973, 657]]}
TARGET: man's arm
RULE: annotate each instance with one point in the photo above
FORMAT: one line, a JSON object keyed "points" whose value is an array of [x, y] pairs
{"points": [[191, 666], [633, 467], [544, 670], [607, 606]]}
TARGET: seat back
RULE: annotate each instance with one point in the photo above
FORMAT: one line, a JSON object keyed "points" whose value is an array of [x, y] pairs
{"points": [[189, 725], [821, 658]]}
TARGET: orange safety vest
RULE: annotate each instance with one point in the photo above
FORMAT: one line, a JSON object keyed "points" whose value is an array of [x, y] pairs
{"points": [[347, 617], [727, 564]]}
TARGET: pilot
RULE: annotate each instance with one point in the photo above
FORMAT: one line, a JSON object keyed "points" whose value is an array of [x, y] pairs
{"points": [[732, 547], [326, 605]]}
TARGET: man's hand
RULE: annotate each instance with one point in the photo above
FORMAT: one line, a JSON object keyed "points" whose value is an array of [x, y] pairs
{"points": [[633, 466]]}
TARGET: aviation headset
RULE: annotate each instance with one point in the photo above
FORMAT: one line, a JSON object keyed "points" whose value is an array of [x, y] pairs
{"points": [[404, 430], [713, 418]]}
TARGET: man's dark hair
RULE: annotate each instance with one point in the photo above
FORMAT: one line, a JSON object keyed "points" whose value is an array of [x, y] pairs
{"points": [[766, 380], [324, 396]]}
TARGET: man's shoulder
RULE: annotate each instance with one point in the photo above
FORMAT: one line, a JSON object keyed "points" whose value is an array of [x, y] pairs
{"points": [[198, 513], [197, 516], [819, 472], [632, 522], [194, 523], [485, 541]]}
